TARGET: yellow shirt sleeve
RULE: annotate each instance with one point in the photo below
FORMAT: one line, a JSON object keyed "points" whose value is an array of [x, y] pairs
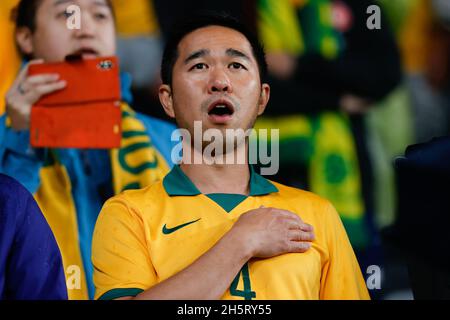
{"points": [[341, 275], [122, 264]]}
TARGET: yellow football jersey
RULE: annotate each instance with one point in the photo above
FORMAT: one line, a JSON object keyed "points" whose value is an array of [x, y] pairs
{"points": [[143, 237]]}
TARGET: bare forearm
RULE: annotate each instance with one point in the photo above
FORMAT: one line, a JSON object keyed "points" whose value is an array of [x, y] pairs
{"points": [[208, 277]]}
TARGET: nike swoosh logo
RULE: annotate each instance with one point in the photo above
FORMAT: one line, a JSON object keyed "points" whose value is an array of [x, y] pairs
{"points": [[166, 230]]}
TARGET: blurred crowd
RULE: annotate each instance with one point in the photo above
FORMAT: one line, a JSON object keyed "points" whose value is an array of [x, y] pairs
{"points": [[347, 99]]}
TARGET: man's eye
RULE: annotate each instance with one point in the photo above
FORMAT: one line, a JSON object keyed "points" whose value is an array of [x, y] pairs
{"points": [[199, 66], [65, 14], [237, 65], [100, 16]]}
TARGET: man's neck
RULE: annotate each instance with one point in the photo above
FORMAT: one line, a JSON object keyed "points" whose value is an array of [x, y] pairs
{"points": [[219, 178]]}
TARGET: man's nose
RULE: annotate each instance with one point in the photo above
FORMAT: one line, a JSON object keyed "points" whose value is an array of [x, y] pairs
{"points": [[87, 27], [219, 82]]}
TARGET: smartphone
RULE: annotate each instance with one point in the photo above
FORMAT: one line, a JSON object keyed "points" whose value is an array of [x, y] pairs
{"points": [[86, 114]]}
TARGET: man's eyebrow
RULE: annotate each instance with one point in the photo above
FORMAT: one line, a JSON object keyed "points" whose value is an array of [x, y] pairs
{"points": [[59, 2], [98, 2], [197, 54], [236, 53], [101, 3]]}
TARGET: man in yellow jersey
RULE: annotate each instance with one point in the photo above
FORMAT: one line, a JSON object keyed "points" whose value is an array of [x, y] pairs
{"points": [[214, 230]]}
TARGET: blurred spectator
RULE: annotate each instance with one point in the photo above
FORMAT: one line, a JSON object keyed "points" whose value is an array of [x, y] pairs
{"points": [[424, 185], [389, 125], [420, 108], [139, 42], [424, 40], [139, 47], [327, 71], [30, 261], [71, 185]]}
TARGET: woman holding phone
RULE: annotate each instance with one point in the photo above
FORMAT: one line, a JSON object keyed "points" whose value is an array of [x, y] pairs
{"points": [[71, 185]]}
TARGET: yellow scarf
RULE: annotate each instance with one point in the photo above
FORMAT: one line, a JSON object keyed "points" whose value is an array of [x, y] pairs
{"points": [[136, 164]]}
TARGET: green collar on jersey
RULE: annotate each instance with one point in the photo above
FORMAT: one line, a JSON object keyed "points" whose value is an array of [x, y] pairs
{"points": [[176, 183]]}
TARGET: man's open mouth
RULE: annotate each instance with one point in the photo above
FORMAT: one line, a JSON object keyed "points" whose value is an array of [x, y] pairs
{"points": [[83, 53], [221, 109]]}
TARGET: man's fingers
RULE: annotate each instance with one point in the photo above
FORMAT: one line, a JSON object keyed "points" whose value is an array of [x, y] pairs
{"points": [[298, 235], [40, 79], [307, 227], [49, 88], [286, 214], [293, 220], [36, 61], [292, 224], [299, 247], [44, 89], [24, 72], [29, 83]]}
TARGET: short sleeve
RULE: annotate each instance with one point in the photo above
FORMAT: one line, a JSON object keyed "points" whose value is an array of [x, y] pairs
{"points": [[122, 264], [341, 276]]}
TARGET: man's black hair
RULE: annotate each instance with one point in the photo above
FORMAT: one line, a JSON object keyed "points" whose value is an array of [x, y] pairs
{"points": [[201, 20], [24, 15]]}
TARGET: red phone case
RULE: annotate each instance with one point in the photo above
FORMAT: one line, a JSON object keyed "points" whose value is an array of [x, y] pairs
{"points": [[85, 114]]}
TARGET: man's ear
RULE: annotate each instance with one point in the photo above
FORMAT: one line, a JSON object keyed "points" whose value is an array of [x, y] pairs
{"points": [[166, 99], [24, 38], [264, 98]]}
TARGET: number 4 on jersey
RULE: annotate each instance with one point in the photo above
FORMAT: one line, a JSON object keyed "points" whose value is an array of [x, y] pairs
{"points": [[247, 293]]}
